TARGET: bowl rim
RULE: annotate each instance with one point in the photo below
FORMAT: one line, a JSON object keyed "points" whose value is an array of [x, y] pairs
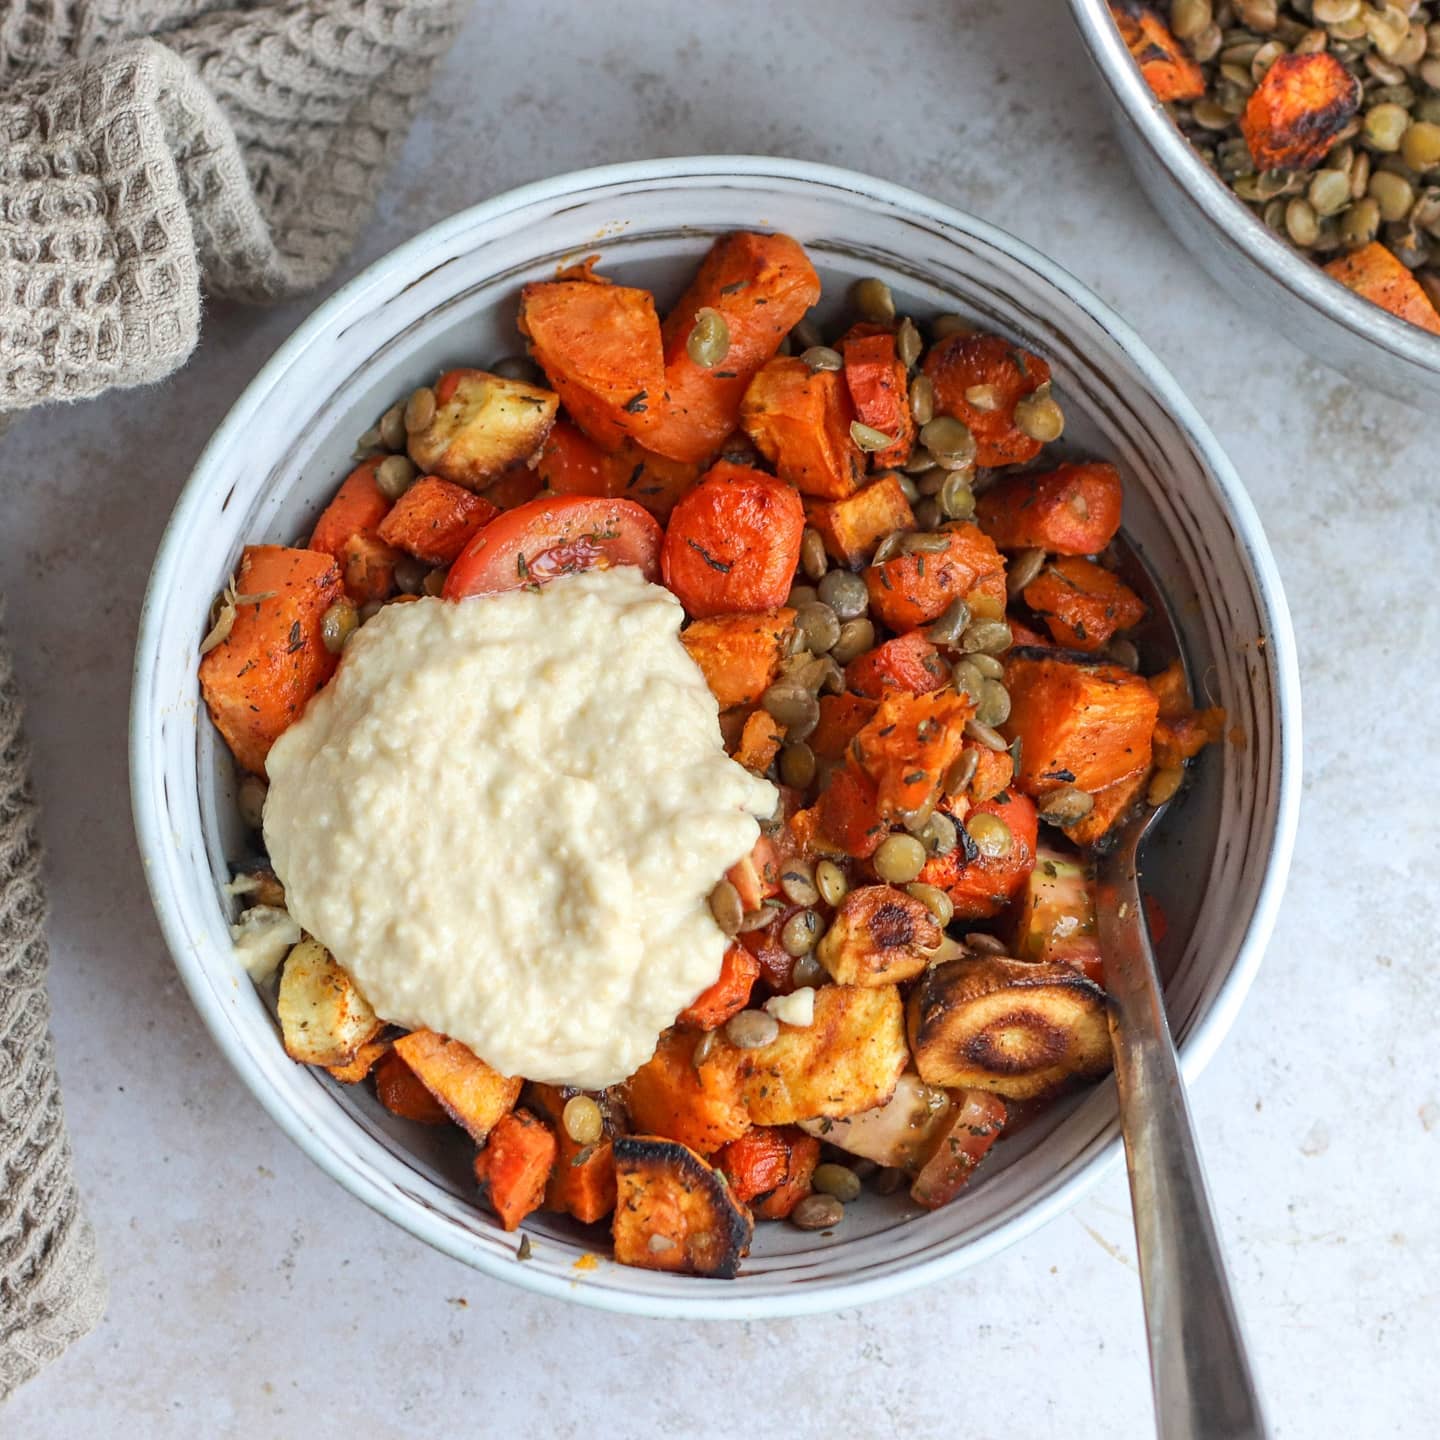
{"points": [[1301, 278], [731, 1302]]}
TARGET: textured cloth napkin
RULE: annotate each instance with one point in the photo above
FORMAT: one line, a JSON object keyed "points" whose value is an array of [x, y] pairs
{"points": [[148, 147]]}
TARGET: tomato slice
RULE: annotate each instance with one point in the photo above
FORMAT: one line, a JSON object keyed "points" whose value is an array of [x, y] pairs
{"points": [[555, 535]]}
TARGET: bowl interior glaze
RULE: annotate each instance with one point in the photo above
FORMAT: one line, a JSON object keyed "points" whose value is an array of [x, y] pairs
{"points": [[449, 297]]}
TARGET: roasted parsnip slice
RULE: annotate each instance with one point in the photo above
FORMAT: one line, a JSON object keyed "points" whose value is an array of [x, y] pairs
{"points": [[880, 936], [675, 1212], [482, 425], [1008, 1026], [324, 1018]]}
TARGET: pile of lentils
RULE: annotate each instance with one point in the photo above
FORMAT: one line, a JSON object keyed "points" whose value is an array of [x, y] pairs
{"points": [[1381, 179]]}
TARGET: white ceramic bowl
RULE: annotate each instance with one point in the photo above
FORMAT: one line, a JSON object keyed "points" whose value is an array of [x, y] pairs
{"points": [[448, 297]]}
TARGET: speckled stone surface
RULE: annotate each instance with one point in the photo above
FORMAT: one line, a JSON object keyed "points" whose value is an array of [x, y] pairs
{"points": [[251, 1296]]}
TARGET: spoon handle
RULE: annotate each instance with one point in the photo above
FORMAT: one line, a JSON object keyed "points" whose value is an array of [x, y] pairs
{"points": [[1199, 1370]]}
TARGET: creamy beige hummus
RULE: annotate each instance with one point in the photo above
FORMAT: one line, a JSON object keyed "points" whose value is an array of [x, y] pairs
{"points": [[503, 818]]}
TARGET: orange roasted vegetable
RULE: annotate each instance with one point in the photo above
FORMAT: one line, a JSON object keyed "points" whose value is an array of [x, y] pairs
{"points": [[435, 520], [514, 1167], [1296, 113], [517, 486], [357, 506], [728, 996], [1072, 510], [848, 813], [401, 1091], [475, 1095], [841, 718], [1084, 725], [800, 422], [367, 567], [258, 680], [761, 286], [757, 877], [599, 346], [853, 527], [668, 1096], [1181, 732], [879, 389], [1168, 70], [733, 543], [760, 741], [913, 589], [909, 662], [990, 370], [908, 746], [674, 1212], [769, 1168], [994, 770], [740, 655], [980, 885], [979, 1119], [1083, 604], [1112, 805], [582, 1180], [1373, 273], [571, 463]]}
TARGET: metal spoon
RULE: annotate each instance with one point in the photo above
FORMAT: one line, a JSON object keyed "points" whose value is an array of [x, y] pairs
{"points": [[1199, 1369]]}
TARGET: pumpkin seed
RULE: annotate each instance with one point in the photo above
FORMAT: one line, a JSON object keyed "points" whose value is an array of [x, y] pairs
{"points": [[830, 882], [871, 297], [392, 428], [856, 637], [822, 357], [337, 625], [726, 908], [709, 338], [984, 735], [1024, 567], [704, 1048], [395, 475], [992, 836], [957, 496], [928, 514], [419, 409], [582, 1120], [845, 593], [819, 625], [936, 901], [961, 773], [1066, 805], [899, 859], [1360, 175], [950, 624], [983, 397], [817, 1212], [1301, 222], [1039, 417], [757, 919], [942, 327], [1189, 17], [888, 548], [837, 1180], [1163, 785], [800, 932], [908, 487], [250, 800], [938, 834], [987, 665], [985, 944], [919, 543], [968, 680], [751, 1029], [991, 636], [868, 438], [794, 707], [993, 705], [922, 400], [908, 342], [1335, 12], [945, 437], [919, 461], [797, 765]]}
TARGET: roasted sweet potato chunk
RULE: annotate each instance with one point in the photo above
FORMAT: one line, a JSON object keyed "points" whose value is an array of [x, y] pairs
{"points": [[474, 1094], [853, 527], [1113, 806], [571, 463], [582, 1180], [980, 379], [729, 995], [1072, 510], [367, 567], [674, 1212], [1295, 113], [1016, 1028], [514, 1167], [760, 741], [402, 1092], [913, 589], [800, 422], [599, 346], [769, 1168], [841, 718], [1170, 73], [435, 520], [740, 655], [324, 1019], [365, 1059], [1373, 273], [908, 663], [908, 746], [760, 286], [978, 1120], [849, 814], [482, 425], [879, 936], [879, 390], [980, 886], [700, 1107], [1082, 604], [260, 677], [847, 1059]]}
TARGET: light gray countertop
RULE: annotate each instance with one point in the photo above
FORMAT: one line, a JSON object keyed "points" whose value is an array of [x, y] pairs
{"points": [[250, 1295]]}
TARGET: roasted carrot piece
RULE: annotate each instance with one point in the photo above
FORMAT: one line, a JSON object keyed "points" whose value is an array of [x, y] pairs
{"points": [[599, 346], [1168, 70], [879, 389], [1084, 725], [514, 1167], [848, 813], [761, 286], [516, 486], [733, 543], [908, 746], [668, 1096], [908, 662], [756, 877], [853, 527], [1082, 603], [994, 770], [434, 520], [356, 506], [367, 567], [257, 681], [401, 1091], [673, 1212], [770, 1168], [800, 422], [841, 718], [727, 996], [740, 655], [911, 590], [1172, 691], [981, 886], [760, 742], [1295, 113], [655, 481], [1373, 273], [1072, 510], [571, 463], [475, 1095], [980, 379]]}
